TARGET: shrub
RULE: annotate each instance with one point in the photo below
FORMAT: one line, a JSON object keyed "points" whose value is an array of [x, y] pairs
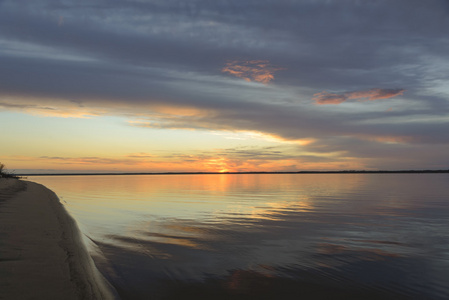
{"points": [[5, 174]]}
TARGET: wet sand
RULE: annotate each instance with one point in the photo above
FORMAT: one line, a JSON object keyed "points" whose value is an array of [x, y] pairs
{"points": [[41, 253]]}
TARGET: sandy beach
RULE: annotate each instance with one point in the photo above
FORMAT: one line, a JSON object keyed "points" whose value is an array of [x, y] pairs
{"points": [[41, 253]]}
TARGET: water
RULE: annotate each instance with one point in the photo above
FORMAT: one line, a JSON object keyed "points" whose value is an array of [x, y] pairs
{"points": [[268, 236]]}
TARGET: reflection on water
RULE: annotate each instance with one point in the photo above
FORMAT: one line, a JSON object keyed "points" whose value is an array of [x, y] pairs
{"points": [[283, 236]]}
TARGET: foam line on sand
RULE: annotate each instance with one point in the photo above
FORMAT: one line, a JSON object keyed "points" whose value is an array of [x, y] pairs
{"points": [[42, 255]]}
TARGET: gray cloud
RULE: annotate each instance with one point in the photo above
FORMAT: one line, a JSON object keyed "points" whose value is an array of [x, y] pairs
{"points": [[133, 57]]}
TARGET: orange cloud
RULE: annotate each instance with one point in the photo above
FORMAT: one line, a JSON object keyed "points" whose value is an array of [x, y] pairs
{"points": [[202, 162], [252, 70], [372, 94], [93, 160]]}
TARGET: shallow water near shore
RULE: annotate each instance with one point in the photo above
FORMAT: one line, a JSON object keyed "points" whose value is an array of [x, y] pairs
{"points": [[265, 236]]}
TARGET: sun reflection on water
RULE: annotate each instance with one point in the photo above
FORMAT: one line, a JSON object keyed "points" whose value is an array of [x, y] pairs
{"points": [[233, 231]]}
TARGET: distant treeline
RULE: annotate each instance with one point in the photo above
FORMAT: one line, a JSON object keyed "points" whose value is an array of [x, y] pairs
{"points": [[297, 172]]}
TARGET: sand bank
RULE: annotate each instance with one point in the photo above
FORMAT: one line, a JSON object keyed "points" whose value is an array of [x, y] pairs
{"points": [[41, 253]]}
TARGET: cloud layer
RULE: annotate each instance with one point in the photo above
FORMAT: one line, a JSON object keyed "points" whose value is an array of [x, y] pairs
{"points": [[177, 65]]}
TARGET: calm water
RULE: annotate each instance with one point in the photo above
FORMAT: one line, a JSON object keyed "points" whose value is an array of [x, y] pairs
{"points": [[283, 236]]}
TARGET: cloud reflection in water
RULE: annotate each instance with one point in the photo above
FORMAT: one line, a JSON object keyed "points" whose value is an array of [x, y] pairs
{"points": [[351, 236]]}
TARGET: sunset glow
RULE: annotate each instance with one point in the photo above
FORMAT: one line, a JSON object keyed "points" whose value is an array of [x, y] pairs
{"points": [[159, 87]]}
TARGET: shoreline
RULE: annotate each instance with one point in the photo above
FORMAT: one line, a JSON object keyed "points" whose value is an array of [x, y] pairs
{"points": [[42, 255]]}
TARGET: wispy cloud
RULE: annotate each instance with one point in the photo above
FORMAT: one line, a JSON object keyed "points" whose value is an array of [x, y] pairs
{"points": [[59, 111], [252, 70], [91, 160], [372, 94], [142, 155]]}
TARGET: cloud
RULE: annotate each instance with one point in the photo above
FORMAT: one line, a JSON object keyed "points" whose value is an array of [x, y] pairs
{"points": [[236, 159], [253, 70], [373, 154], [218, 160], [372, 94], [59, 111], [141, 155], [92, 160], [60, 21], [162, 64]]}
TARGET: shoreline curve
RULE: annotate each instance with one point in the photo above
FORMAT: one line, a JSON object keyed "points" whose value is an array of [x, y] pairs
{"points": [[42, 255]]}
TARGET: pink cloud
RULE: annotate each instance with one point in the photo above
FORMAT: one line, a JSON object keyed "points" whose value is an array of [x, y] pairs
{"points": [[253, 70], [372, 94]]}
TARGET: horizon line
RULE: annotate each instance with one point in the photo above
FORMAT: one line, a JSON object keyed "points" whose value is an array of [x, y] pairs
{"points": [[236, 173]]}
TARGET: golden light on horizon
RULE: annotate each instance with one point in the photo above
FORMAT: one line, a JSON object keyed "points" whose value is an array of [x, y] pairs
{"points": [[217, 165]]}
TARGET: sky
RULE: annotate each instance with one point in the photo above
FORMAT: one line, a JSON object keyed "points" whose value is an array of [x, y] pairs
{"points": [[239, 85]]}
